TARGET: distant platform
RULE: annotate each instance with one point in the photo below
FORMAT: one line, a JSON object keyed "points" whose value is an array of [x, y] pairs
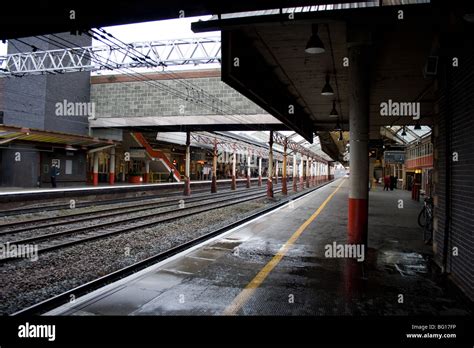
{"points": [[11, 198]]}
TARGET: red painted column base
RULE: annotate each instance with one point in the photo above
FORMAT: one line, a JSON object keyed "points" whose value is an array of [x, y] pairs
{"points": [[145, 178], [269, 188], [187, 187], [259, 180], [111, 178], [233, 183], [301, 183], [214, 184], [248, 181], [295, 184], [95, 179], [284, 188], [353, 279], [358, 221]]}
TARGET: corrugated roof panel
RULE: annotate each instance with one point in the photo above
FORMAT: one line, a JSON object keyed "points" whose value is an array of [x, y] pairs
{"points": [[323, 7], [41, 136]]}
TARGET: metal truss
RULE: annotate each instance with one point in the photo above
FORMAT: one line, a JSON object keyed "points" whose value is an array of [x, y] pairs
{"points": [[231, 145], [200, 50], [280, 139]]}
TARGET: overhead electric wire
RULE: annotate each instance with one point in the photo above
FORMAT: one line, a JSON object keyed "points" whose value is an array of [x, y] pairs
{"points": [[221, 106], [176, 77], [111, 67], [62, 46], [230, 114]]}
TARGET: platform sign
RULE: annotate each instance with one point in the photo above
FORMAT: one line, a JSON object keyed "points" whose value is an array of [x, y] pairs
{"points": [[394, 157], [137, 153], [56, 162]]}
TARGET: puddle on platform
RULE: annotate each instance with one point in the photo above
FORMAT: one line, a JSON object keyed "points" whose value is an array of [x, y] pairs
{"points": [[227, 243], [406, 264]]}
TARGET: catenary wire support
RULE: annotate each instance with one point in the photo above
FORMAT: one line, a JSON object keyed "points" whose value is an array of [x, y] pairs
{"points": [[200, 50]]}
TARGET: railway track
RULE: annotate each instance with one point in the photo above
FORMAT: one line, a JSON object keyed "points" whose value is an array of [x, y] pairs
{"points": [[45, 222], [76, 235], [62, 298], [65, 205]]}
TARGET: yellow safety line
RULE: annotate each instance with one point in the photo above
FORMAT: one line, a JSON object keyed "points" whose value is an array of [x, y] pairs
{"points": [[248, 291]]}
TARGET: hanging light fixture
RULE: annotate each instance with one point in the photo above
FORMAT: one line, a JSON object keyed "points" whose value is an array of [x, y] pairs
{"points": [[469, 17], [333, 112], [314, 45], [340, 136], [327, 89], [417, 125], [403, 132]]}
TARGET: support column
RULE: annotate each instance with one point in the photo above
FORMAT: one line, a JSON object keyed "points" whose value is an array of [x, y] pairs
{"points": [[321, 173], [147, 171], [233, 184], [187, 166], [301, 173], [260, 171], [318, 172], [214, 169], [112, 166], [248, 169], [307, 171], [95, 171], [276, 171], [284, 189], [314, 172], [295, 175], [270, 167], [359, 70]]}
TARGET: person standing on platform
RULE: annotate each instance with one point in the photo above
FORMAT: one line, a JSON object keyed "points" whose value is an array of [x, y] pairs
{"points": [[54, 172], [386, 182], [170, 176]]}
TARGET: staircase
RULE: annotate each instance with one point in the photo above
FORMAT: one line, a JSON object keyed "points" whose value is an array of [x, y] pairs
{"points": [[157, 154]]}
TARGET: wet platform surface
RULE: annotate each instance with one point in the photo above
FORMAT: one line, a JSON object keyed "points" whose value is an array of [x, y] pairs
{"points": [[245, 272]]}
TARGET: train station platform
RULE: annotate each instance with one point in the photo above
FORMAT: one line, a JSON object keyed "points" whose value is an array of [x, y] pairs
{"points": [[12, 191], [280, 264], [15, 198]]}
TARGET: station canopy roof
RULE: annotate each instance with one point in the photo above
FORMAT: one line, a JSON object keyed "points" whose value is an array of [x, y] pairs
{"points": [[68, 141], [263, 136], [410, 136]]}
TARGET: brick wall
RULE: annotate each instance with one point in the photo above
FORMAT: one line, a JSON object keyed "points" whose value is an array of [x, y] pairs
{"points": [[454, 188], [118, 96]]}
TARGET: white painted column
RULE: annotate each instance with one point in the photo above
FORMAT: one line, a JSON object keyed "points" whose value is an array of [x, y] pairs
{"points": [[147, 170], [95, 171], [112, 166], [234, 159], [248, 169]]}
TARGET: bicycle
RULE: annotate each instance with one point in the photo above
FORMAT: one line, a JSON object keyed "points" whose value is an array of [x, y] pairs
{"points": [[425, 220]]}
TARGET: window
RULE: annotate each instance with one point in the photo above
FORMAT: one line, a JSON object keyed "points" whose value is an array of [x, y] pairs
{"points": [[68, 170]]}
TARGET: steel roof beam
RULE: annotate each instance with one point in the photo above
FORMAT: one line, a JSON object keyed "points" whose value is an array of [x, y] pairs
{"points": [[200, 50]]}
